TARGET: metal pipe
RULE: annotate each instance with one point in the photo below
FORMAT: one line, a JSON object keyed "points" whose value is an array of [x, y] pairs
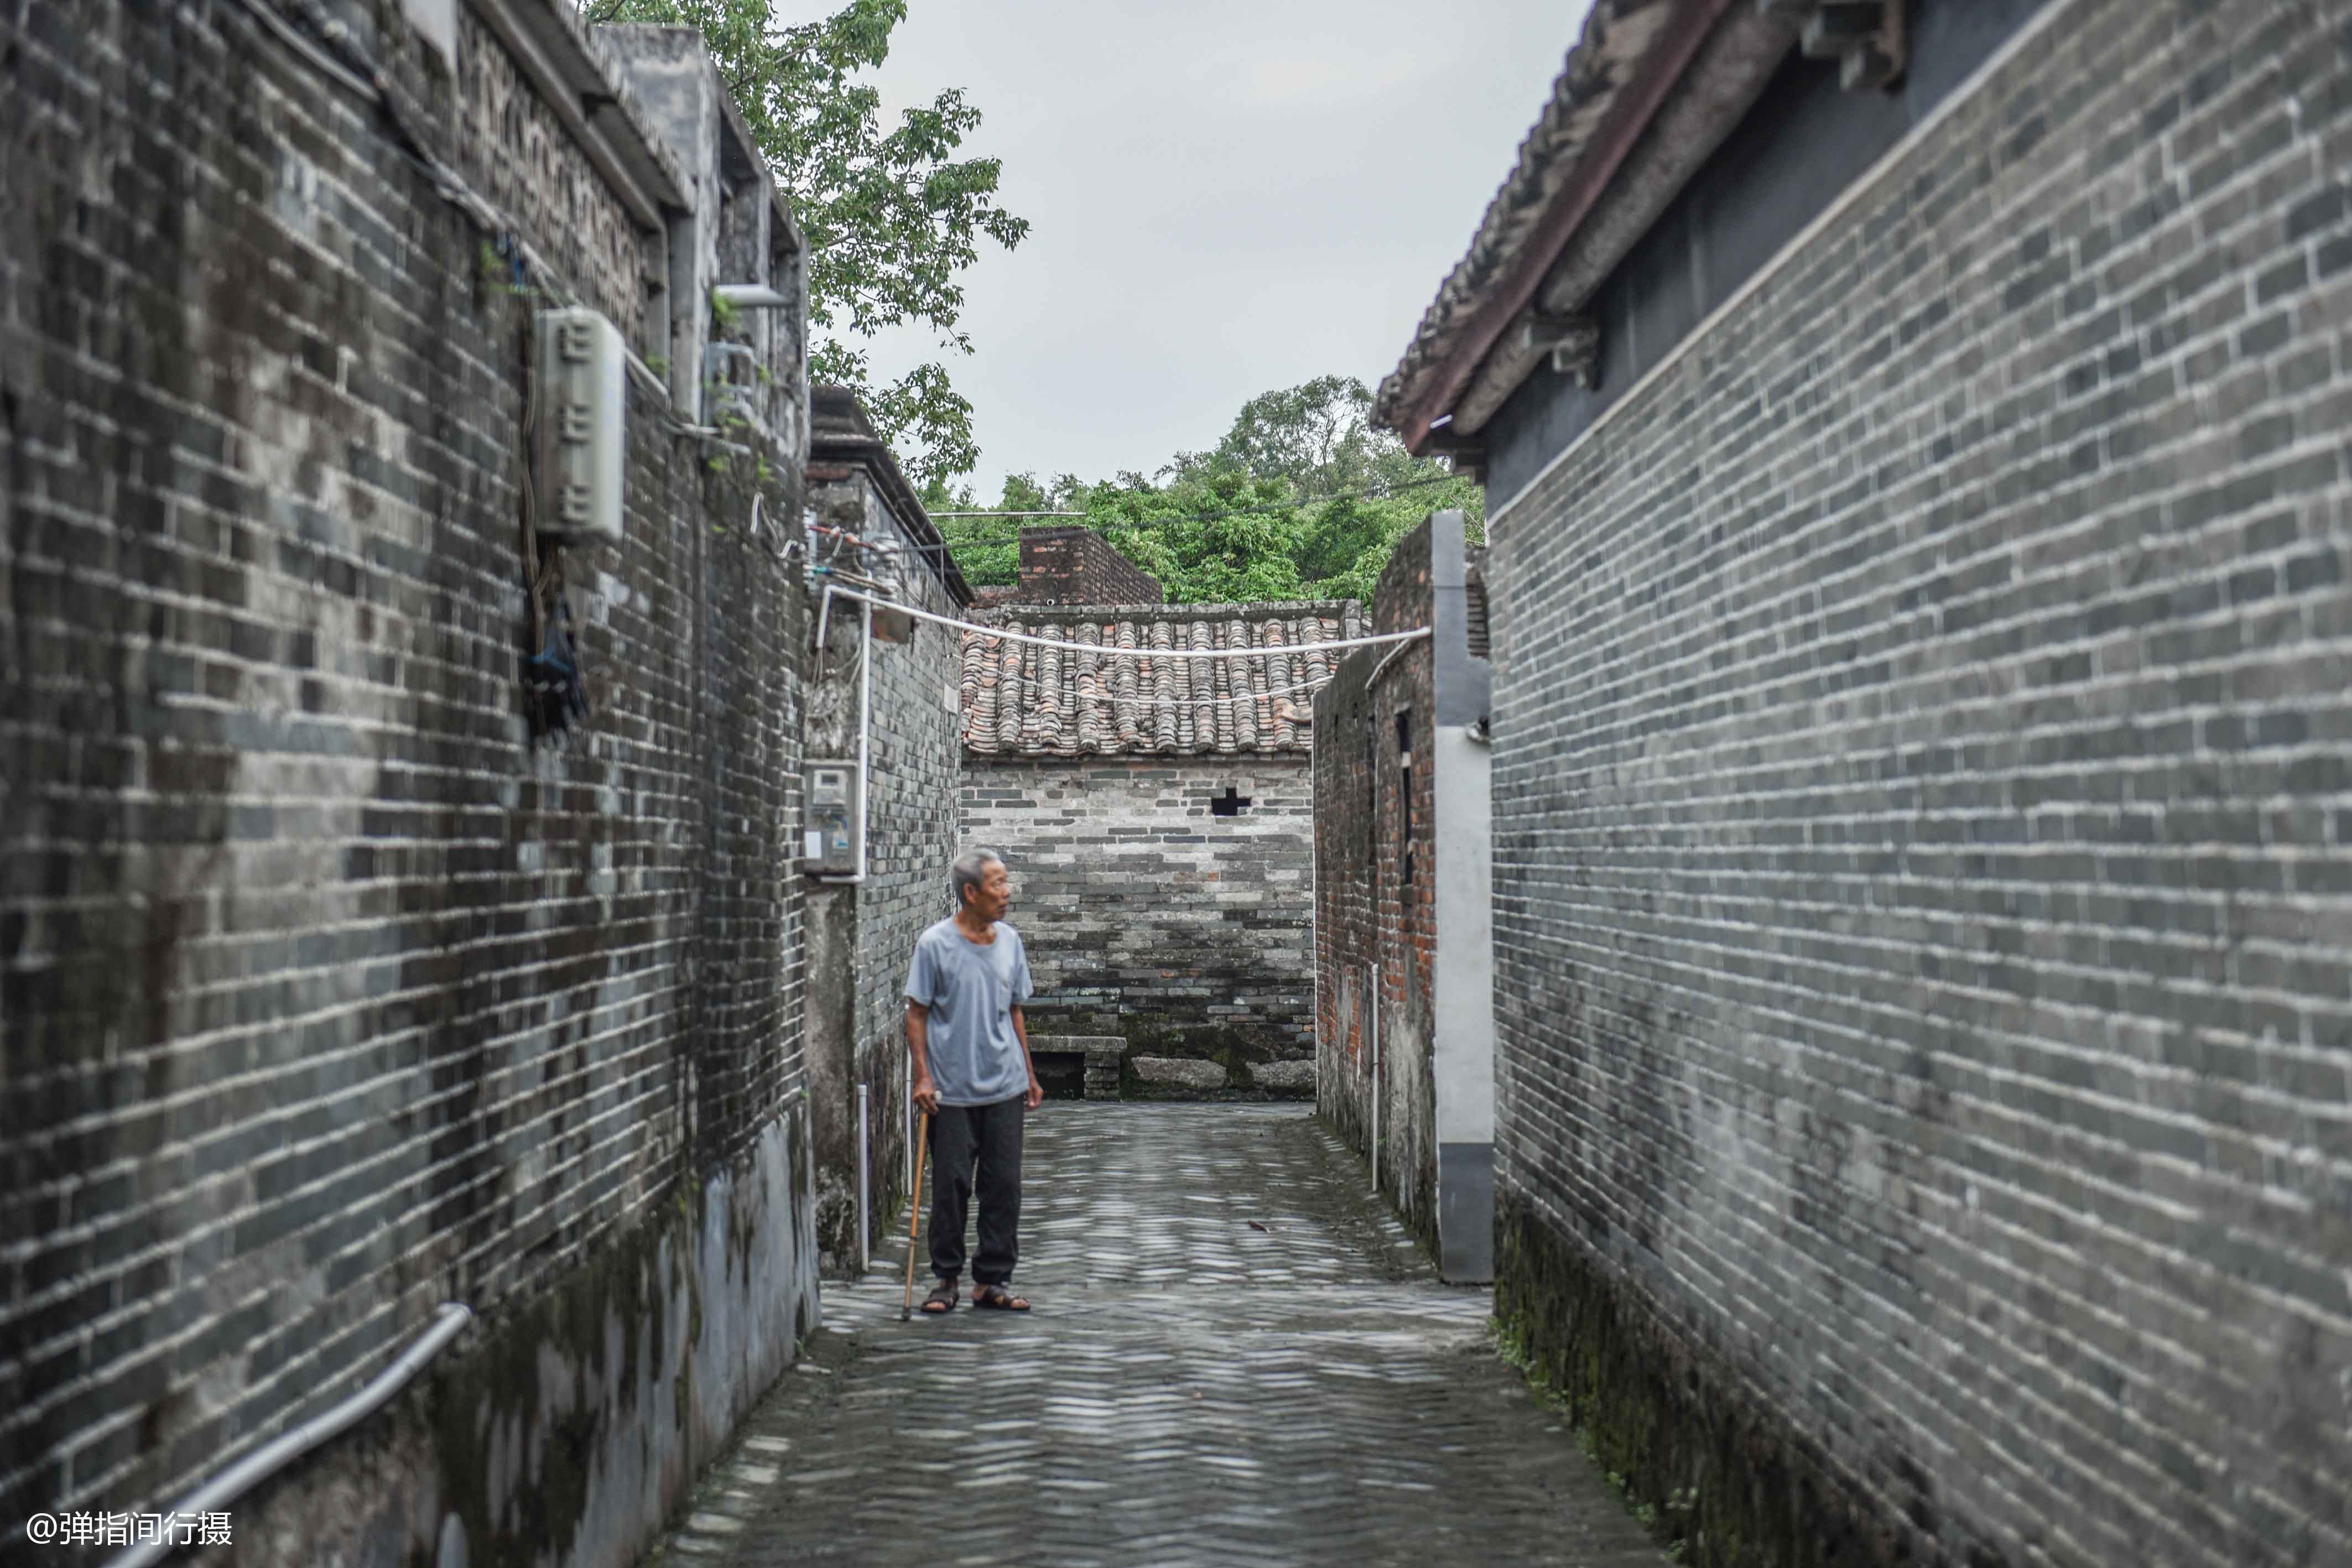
{"points": [[1373, 971], [1382, 667], [865, 732], [233, 1483], [864, 1152]]}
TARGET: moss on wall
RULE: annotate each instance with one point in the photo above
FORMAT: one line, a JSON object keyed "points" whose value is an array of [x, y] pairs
{"points": [[1723, 1483]]}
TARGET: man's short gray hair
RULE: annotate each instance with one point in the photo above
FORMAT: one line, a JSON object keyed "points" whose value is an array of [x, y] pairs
{"points": [[970, 870]]}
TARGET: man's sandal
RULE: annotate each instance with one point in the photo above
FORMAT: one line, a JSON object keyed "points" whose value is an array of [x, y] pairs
{"points": [[942, 1298], [997, 1299]]}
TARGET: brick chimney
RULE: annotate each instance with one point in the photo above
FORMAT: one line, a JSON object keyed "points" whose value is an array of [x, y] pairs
{"points": [[1078, 566]]}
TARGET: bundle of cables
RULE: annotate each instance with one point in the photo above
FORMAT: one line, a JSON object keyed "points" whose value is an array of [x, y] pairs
{"points": [[552, 686]]}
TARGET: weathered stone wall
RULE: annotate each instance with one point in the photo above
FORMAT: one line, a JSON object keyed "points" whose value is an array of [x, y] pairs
{"points": [[1145, 914], [330, 994], [869, 930], [1921, 871], [1375, 836]]}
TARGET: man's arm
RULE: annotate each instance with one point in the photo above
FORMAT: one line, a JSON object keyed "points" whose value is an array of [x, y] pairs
{"points": [[919, 1049], [1021, 1033]]}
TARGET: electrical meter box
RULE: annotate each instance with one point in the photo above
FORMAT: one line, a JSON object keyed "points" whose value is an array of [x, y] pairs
{"points": [[834, 828], [581, 400]]}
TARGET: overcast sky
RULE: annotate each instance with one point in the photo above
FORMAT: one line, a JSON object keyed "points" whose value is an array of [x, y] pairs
{"points": [[1226, 197]]}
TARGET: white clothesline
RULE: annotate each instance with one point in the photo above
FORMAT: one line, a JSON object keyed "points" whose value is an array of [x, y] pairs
{"points": [[1113, 699], [1374, 640]]}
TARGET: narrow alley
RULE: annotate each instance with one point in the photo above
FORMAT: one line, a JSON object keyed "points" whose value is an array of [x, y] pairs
{"points": [[1190, 1389], [1712, 924]]}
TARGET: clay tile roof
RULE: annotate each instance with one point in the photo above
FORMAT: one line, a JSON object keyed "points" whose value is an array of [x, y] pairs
{"points": [[1025, 701], [1618, 36]]}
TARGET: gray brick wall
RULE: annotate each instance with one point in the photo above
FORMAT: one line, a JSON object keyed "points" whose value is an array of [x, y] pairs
{"points": [[915, 756], [1149, 917], [329, 994], [1921, 871]]}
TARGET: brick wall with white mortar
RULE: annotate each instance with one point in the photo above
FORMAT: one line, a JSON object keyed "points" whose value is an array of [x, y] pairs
{"points": [[1923, 841], [330, 994], [1145, 914], [915, 756]]}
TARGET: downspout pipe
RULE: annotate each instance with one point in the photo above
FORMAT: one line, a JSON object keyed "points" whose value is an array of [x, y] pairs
{"points": [[865, 1153], [1373, 970], [864, 734], [217, 1493]]}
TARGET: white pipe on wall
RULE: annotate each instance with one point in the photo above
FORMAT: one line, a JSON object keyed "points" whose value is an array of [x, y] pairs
{"points": [[1372, 1007], [865, 1153], [864, 734], [217, 1493]]}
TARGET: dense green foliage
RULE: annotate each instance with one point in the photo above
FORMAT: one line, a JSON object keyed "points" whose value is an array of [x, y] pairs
{"points": [[891, 217], [1302, 499]]}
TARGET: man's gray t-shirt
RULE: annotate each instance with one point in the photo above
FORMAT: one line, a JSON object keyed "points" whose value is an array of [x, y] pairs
{"points": [[971, 991]]}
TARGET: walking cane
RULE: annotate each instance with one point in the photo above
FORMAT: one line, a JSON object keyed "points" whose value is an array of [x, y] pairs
{"points": [[914, 1216]]}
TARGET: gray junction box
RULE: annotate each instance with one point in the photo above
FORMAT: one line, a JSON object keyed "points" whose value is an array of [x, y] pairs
{"points": [[833, 828]]}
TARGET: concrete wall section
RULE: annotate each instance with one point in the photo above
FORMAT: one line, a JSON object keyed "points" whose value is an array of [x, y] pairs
{"points": [[1146, 914], [1920, 855], [1463, 998], [331, 992]]}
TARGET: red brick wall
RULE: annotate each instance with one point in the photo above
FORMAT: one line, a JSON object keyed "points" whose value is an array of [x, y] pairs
{"points": [[1078, 566], [1374, 891]]}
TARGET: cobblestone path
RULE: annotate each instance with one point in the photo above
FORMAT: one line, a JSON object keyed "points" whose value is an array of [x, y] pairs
{"points": [[1189, 1390]]}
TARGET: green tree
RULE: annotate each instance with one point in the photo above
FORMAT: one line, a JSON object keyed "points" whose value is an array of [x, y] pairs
{"points": [[1301, 500], [893, 217], [988, 548], [1317, 434], [1356, 491], [1214, 535]]}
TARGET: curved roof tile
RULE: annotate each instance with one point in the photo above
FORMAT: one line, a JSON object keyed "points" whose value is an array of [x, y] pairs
{"points": [[1022, 701]]}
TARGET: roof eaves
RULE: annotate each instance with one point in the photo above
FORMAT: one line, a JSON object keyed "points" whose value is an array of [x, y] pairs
{"points": [[1630, 57]]}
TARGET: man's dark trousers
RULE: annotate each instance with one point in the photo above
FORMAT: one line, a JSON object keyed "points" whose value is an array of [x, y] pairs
{"points": [[989, 1136]]}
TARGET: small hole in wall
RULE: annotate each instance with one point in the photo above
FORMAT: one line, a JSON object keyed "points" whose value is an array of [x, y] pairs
{"points": [[1229, 804]]}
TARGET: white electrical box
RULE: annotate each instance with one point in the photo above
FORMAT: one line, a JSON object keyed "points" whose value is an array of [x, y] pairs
{"points": [[834, 828], [581, 401]]}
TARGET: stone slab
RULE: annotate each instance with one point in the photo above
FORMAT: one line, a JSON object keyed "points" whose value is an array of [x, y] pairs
{"points": [[1179, 1072], [1283, 1075]]}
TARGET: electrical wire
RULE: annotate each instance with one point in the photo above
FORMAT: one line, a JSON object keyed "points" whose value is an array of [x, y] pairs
{"points": [[1114, 700], [1276, 650]]}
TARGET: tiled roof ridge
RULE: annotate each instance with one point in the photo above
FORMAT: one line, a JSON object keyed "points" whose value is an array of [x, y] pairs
{"points": [[1615, 34], [1263, 610]]}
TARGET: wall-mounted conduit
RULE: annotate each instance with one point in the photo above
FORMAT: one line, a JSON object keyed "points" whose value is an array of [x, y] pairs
{"points": [[216, 1494]]}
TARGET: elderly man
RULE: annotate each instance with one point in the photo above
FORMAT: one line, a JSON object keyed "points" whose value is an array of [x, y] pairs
{"points": [[973, 1074]]}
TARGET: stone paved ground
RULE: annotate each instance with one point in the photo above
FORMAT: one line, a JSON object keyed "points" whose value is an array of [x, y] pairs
{"points": [[1190, 1389]]}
